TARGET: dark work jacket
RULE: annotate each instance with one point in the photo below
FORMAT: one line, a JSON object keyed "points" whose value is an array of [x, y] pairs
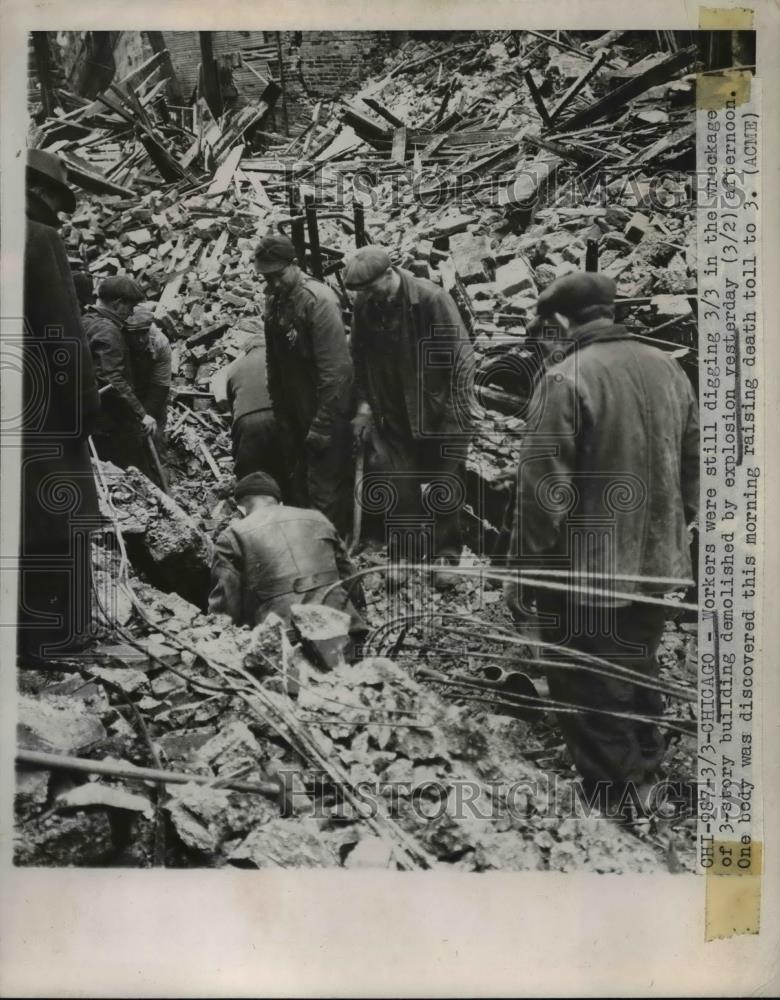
{"points": [[113, 366], [435, 358], [270, 559], [609, 466], [245, 381], [151, 368], [61, 401], [309, 367]]}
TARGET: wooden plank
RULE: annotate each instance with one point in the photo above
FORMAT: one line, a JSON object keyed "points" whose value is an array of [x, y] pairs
{"points": [[618, 98], [169, 298], [383, 112], [524, 189], [590, 71], [433, 145], [536, 97], [224, 174], [92, 180], [260, 192], [142, 71], [211, 262], [456, 139], [566, 152], [398, 151]]}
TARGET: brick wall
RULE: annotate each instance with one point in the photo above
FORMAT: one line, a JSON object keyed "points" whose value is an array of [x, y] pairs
{"points": [[334, 62], [317, 64]]}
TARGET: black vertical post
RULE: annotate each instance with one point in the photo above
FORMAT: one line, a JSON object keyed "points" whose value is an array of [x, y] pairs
{"points": [[43, 68], [297, 232], [360, 224], [314, 236], [210, 76], [282, 82], [592, 256]]}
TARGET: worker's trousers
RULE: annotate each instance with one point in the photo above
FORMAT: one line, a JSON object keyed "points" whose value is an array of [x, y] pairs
{"points": [[418, 488], [322, 478], [256, 446], [605, 748]]}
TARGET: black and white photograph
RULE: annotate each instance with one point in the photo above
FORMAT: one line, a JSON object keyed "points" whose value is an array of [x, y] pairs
{"points": [[389, 453]]}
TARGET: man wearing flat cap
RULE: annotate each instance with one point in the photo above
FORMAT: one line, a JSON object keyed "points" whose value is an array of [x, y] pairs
{"points": [[124, 419], [150, 357], [277, 556], [608, 483], [413, 375], [309, 378], [61, 404]]}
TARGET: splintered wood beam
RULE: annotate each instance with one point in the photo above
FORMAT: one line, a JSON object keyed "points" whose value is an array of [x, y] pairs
{"points": [[224, 173], [92, 180], [145, 68], [566, 152], [590, 71], [618, 98], [383, 112], [398, 152], [536, 97]]}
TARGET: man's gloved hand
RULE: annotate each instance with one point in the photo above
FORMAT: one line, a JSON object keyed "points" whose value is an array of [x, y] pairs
{"points": [[361, 424], [317, 442], [149, 424]]}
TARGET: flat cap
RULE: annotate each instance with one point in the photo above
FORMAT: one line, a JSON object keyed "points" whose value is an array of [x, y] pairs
{"points": [[119, 286], [141, 318], [573, 293], [273, 253], [364, 265], [257, 484], [47, 168]]}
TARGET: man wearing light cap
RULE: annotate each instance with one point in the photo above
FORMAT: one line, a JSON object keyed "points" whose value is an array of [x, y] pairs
{"points": [[124, 418], [413, 376], [277, 556], [59, 499], [309, 378], [608, 483]]}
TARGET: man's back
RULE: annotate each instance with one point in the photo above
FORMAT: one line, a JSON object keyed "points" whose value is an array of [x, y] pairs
{"points": [[609, 474], [245, 380], [274, 557]]}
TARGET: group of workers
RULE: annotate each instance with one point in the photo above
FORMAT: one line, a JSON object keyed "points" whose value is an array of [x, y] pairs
{"points": [[606, 484]]}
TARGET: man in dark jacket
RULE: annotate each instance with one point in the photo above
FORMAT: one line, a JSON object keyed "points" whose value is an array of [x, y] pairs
{"points": [[124, 420], [309, 378], [275, 557], [150, 359], [413, 375], [608, 482], [59, 498], [256, 444]]}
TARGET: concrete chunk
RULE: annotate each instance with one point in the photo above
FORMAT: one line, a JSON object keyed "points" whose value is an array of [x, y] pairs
{"points": [[515, 277], [637, 227]]}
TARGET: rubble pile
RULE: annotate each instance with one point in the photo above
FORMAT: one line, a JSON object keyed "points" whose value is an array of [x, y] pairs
{"points": [[387, 733], [482, 166]]}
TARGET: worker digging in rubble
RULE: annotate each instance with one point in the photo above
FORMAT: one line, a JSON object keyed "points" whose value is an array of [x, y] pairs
{"points": [[150, 357], [309, 379], [55, 575], [124, 420], [608, 483], [413, 375], [277, 556], [242, 388]]}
